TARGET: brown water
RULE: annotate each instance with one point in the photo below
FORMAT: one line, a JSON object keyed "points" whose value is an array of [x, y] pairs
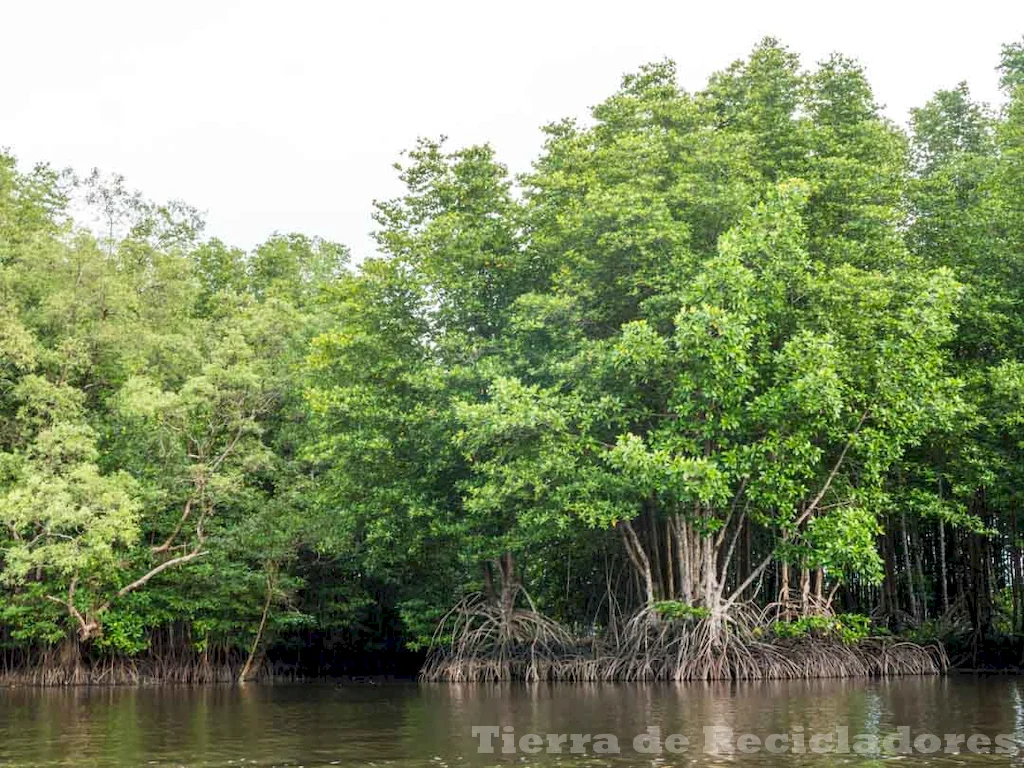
{"points": [[430, 725]]}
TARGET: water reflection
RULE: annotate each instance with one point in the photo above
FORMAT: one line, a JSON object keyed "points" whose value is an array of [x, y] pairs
{"points": [[411, 725]]}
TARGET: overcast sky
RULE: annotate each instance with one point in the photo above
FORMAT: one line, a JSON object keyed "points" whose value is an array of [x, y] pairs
{"points": [[287, 116]]}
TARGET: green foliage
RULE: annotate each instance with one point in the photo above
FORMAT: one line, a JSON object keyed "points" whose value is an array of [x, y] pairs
{"points": [[699, 309], [151, 410], [673, 610], [848, 628], [757, 323]]}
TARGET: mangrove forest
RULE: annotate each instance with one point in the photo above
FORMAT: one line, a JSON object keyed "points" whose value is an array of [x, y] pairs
{"points": [[728, 384]]}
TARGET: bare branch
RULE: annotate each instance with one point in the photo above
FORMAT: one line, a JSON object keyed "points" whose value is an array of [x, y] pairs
{"points": [[142, 580], [169, 541], [835, 471]]}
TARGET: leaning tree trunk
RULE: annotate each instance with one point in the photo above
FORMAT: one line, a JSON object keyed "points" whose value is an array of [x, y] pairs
{"points": [[251, 666]]}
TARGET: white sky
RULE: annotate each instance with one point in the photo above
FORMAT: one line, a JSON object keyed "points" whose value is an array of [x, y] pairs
{"points": [[287, 116]]}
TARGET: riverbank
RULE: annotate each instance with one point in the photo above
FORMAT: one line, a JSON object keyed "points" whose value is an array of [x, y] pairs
{"points": [[64, 666]]}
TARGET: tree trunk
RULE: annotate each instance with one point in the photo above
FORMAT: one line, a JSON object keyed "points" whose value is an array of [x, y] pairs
{"points": [[657, 571], [784, 589], [251, 666], [670, 576], [805, 592], [907, 569], [509, 583], [943, 575], [685, 560]]}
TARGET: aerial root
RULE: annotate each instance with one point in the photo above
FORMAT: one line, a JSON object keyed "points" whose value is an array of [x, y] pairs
{"points": [[486, 645], [67, 665], [486, 642]]}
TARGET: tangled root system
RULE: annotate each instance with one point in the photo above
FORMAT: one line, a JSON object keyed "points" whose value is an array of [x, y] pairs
{"points": [[479, 641], [485, 644]]}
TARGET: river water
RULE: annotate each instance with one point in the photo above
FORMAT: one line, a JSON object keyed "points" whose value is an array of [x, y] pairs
{"points": [[405, 724]]}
